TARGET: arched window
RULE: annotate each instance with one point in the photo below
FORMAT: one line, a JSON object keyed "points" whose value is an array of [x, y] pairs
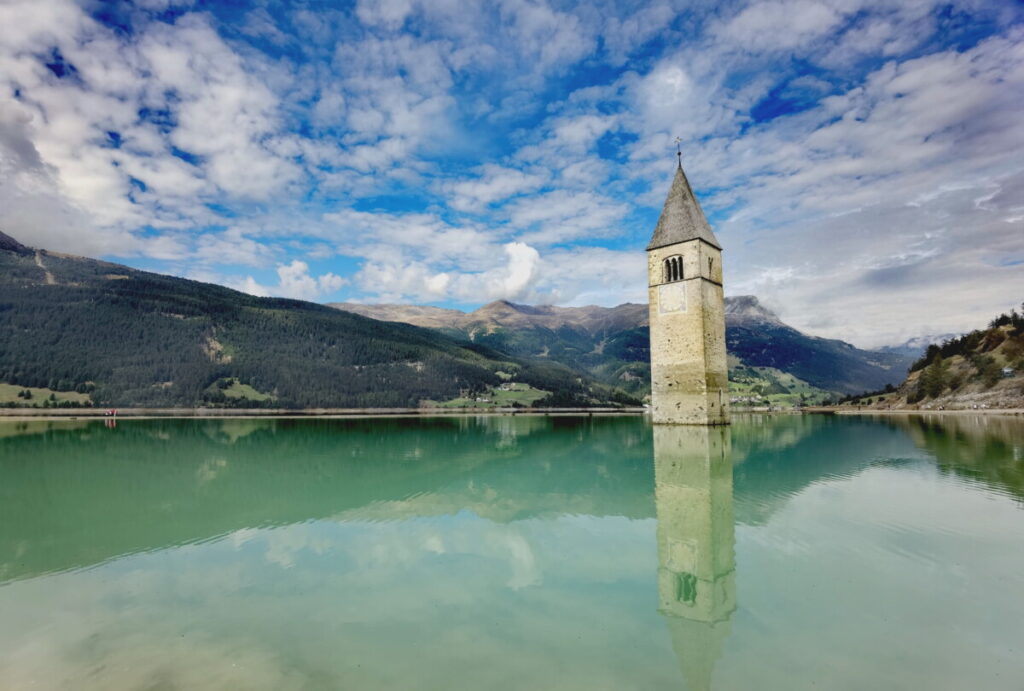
{"points": [[673, 269]]}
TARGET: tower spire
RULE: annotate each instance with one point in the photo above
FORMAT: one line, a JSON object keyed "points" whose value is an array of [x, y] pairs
{"points": [[681, 219]]}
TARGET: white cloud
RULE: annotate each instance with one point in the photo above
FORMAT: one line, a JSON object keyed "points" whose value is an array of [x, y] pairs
{"points": [[779, 25], [831, 205], [224, 113], [623, 35], [520, 272], [295, 281], [561, 216], [232, 247], [551, 37], [495, 184], [389, 238], [388, 13], [396, 97], [510, 280], [218, 110], [592, 276]]}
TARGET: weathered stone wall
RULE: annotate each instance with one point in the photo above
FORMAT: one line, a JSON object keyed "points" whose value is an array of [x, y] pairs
{"points": [[689, 375]]}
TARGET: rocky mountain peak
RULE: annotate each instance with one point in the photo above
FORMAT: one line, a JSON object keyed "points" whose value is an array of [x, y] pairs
{"points": [[9, 244], [499, 306], [749, 308], [504, 307]]}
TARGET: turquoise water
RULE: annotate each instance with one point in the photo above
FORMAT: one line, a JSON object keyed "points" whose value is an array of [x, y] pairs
{"points": [[512, 553]]}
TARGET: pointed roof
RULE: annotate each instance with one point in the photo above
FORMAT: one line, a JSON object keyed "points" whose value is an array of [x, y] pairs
{"points": [[681, 218]]}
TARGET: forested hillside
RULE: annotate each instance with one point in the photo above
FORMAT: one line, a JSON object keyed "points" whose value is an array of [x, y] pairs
{"points": [[126, 337]]}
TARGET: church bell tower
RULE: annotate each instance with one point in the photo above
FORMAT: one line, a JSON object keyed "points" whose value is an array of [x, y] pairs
{"points": [[689, 376]]}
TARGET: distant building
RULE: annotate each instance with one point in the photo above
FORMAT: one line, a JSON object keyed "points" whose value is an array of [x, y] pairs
{"points": [[1008, 371], [689, 374]]}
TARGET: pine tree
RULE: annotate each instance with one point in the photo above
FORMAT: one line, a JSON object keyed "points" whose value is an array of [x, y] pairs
{"points": [[935, 377]]}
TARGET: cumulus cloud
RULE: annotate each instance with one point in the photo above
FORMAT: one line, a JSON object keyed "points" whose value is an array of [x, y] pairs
{"points": [[231, 246], [494, 184], [138, 130], [511, 279], [779, 25], [560, 216], [295, 281], [518, 274]]}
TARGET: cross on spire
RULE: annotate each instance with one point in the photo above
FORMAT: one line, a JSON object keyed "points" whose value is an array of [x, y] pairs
{"points": [[679, 151]]}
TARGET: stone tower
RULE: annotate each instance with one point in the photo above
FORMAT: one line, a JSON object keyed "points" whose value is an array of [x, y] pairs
{"points": [[689, 377]]}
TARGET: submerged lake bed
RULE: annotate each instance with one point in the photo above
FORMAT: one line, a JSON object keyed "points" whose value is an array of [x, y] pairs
{"points": [[782, 552]]}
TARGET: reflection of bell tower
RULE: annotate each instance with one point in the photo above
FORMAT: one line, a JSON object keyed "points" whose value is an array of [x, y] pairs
{"points": [[696, 543]]}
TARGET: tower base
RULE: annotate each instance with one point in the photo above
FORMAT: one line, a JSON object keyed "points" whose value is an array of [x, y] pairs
{"points": [[711, 408]]}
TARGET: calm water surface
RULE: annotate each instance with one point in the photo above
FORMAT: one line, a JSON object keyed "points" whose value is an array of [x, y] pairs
{"points": [[512, 553]]}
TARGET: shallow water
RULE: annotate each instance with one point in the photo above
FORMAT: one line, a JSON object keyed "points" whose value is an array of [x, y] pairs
{"points": [[512, 553]]}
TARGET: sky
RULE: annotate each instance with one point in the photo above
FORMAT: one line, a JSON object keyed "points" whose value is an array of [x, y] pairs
{"points": [[861, 161]]}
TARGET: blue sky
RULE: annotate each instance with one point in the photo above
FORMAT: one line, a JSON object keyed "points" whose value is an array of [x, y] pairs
{"points": [[862, 161]]}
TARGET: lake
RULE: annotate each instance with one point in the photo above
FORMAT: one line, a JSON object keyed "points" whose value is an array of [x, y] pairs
{"points": [[783, 552]]}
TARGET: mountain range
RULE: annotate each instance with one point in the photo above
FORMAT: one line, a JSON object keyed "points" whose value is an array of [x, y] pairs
{"points": [[77, 330], [611, 343]]}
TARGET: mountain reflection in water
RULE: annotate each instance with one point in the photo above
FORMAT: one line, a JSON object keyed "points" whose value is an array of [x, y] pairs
{"points": [[511, 552]]}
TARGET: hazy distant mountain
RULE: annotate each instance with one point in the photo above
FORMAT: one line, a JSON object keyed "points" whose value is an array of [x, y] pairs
{"points": [[744, 309], [128, 337], [503, 313], [612, 342], [915, 347]]}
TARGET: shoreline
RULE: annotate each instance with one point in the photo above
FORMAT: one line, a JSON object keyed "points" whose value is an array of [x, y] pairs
{"points": [[24, 414], [51, 414]]}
